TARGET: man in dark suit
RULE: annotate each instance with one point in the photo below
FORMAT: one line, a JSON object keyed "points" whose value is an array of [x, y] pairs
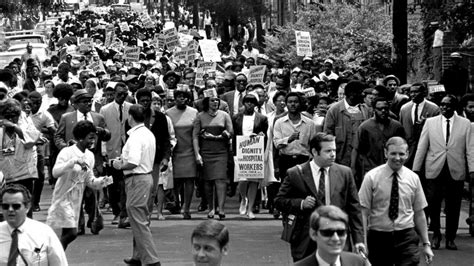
{"points": [[328, 228], [445, 148], [317, 183], [64, 138], [234, 98], [413, 115]]}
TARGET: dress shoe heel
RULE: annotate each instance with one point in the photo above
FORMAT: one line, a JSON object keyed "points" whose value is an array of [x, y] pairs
{"points": [[132, 261], [451, 245], [436, 242]]}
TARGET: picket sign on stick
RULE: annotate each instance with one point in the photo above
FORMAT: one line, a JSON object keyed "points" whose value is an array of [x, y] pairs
{"points": [[249, 162]]}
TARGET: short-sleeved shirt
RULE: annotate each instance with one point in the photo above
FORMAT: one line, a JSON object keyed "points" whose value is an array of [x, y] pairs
{"points": [[374, 195], [284, 128], [42, 120], [140, 150]]}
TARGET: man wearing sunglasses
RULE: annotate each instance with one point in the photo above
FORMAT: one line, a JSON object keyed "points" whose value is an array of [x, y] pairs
{"points": [[328, 228], [23, 240]]}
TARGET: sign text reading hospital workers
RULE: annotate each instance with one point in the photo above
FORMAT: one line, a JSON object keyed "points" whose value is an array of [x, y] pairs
{"points": [[249, 159]]}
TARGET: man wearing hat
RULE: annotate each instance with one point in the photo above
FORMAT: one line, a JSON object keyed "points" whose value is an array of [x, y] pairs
{"points": [[307, 63], [328, 73], [64, 138], [456, 77]]}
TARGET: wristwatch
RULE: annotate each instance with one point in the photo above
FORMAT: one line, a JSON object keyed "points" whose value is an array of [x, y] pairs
{"points": [[427, 244]]}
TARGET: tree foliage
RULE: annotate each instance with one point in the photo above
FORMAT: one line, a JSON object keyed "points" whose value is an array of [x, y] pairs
{"points": [[350, 34]]}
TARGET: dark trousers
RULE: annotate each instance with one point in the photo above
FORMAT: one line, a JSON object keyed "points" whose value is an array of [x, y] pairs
{"points": [[38, 186], [444, 187], [117, 196], [287, 161], [90, 205], [393, 248]]}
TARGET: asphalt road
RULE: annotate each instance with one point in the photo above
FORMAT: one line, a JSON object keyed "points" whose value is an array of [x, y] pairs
{"points": [[254, 242]]}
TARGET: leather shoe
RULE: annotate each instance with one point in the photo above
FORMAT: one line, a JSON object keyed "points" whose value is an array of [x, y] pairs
{"points": [[436, 241], [450, 245], [124, 223], [132, 261], [155, 264], [202, 207]]}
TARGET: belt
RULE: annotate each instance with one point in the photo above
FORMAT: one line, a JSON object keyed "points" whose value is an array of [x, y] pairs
{"points": [[134, 174]]}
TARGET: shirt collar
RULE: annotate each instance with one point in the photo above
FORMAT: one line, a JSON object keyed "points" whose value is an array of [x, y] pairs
{"points": [[346, 104], [130, 131], [450, 118], [20, 228], [322, 262], [316, 167]]}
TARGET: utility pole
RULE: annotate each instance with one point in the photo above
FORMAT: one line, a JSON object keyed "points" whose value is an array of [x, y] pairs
{"points": [[400, 38]]}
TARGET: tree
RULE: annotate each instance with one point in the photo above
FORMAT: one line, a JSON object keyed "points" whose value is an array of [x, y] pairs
{"points": [[350, 34], [400, 36]]}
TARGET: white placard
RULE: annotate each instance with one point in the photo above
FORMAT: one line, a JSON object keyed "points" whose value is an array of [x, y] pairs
{"points": [[131, 54], [249, 162], [303, 43], [209, 50], [256, 74]]}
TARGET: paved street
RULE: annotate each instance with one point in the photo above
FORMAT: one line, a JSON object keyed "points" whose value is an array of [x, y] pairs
{"points": [[251, 242]]}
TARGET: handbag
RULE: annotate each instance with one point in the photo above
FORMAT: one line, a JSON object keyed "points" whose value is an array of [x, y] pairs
{"points": [[289, 223]]}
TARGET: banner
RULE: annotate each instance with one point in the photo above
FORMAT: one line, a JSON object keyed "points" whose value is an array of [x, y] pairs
{"points": [[131, 54], [209, 50], [303, 43], [249, 163], [256, 74]]}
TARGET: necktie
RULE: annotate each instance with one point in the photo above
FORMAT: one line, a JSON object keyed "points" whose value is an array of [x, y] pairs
{"points": [[85, 116], [416, 113], [120, 113], [14, 252], [393, 208], [447, 131], [322, 186]]}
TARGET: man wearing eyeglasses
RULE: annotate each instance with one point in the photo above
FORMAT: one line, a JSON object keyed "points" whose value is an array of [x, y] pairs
{"points": [[24, 241], [328, 228], [392, 201]]}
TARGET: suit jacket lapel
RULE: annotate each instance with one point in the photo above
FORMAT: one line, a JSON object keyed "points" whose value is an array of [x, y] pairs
{"points": [[308, 178]]}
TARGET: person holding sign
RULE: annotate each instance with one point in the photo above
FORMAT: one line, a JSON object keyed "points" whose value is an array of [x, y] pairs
{"points": [[249, 123], [211, 134]]}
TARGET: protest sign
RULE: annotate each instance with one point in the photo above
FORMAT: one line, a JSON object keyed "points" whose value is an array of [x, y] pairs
{"points": [[116, 45], [303, 43], [86, 44], [171, 38], [436, 88], [97, 66], [211, 93], [249, 162], [124, 26], [209, 50], [181, 55], [256, 74], [131, 54], [136, 7], [146, 21], [202, 69], [309, 92], [185, 39]]}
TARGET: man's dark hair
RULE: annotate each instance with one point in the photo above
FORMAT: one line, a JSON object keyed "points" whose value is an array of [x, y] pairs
{"points": [[137, 112], [82, 129], [330, 212], [354, 87], [379, 99], [17, 188], [315, 142], [454, 100], [469, 97], [293, 94], [213, 230]]}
